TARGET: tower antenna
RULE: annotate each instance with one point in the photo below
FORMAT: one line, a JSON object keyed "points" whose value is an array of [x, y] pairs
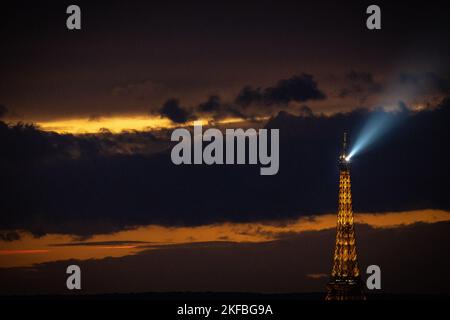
{"points": [[344, 144]]}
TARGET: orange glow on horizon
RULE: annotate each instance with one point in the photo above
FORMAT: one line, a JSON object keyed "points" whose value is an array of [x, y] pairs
{"points": [[10, 252], [117, 247], [114, 124], [117, 124]]}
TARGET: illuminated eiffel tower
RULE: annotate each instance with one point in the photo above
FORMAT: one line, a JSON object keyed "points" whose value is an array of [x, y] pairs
{"points": [[345, 283]]}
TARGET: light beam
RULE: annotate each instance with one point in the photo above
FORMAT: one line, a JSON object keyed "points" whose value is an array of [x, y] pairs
{"points": [[379, 122]]}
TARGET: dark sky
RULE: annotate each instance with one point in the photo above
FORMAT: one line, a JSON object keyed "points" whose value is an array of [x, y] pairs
{"points": [[132, 58]]}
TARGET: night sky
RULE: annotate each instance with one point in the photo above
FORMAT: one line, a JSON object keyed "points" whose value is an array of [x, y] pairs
{"points": [[85, 123]]}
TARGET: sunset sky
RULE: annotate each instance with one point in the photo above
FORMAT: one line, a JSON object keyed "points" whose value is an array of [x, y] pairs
{"points": [[85, 124]]}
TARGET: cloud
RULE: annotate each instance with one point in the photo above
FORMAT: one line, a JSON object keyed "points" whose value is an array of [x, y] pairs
{"points": [[360, 84], [246, 104], [248, 95], [80, 185], [40, 147], [299, 88], [218, 109], [172, 110], [427, 82], [213, 104]]}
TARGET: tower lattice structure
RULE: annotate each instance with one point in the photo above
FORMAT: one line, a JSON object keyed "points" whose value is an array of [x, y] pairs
{"points": [[345, 283]]}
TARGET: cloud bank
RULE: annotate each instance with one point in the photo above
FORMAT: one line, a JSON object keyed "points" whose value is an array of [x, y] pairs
{"points": [[84, 185]]}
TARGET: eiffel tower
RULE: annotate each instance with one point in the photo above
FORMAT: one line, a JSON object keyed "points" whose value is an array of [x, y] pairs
{"points": [[345, 282]]}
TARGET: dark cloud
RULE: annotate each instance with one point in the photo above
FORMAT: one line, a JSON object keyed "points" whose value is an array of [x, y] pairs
{"points": [[402, 253], [173, 111], [218, 109], [39, 147], [213, 104], [306, 111], [427, 82], [248, 95], [70, 184], [299, 88]]}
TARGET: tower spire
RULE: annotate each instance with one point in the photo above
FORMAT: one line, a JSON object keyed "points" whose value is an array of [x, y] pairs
{"points": [[345, 283], [343, 160], [344, 144]]}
